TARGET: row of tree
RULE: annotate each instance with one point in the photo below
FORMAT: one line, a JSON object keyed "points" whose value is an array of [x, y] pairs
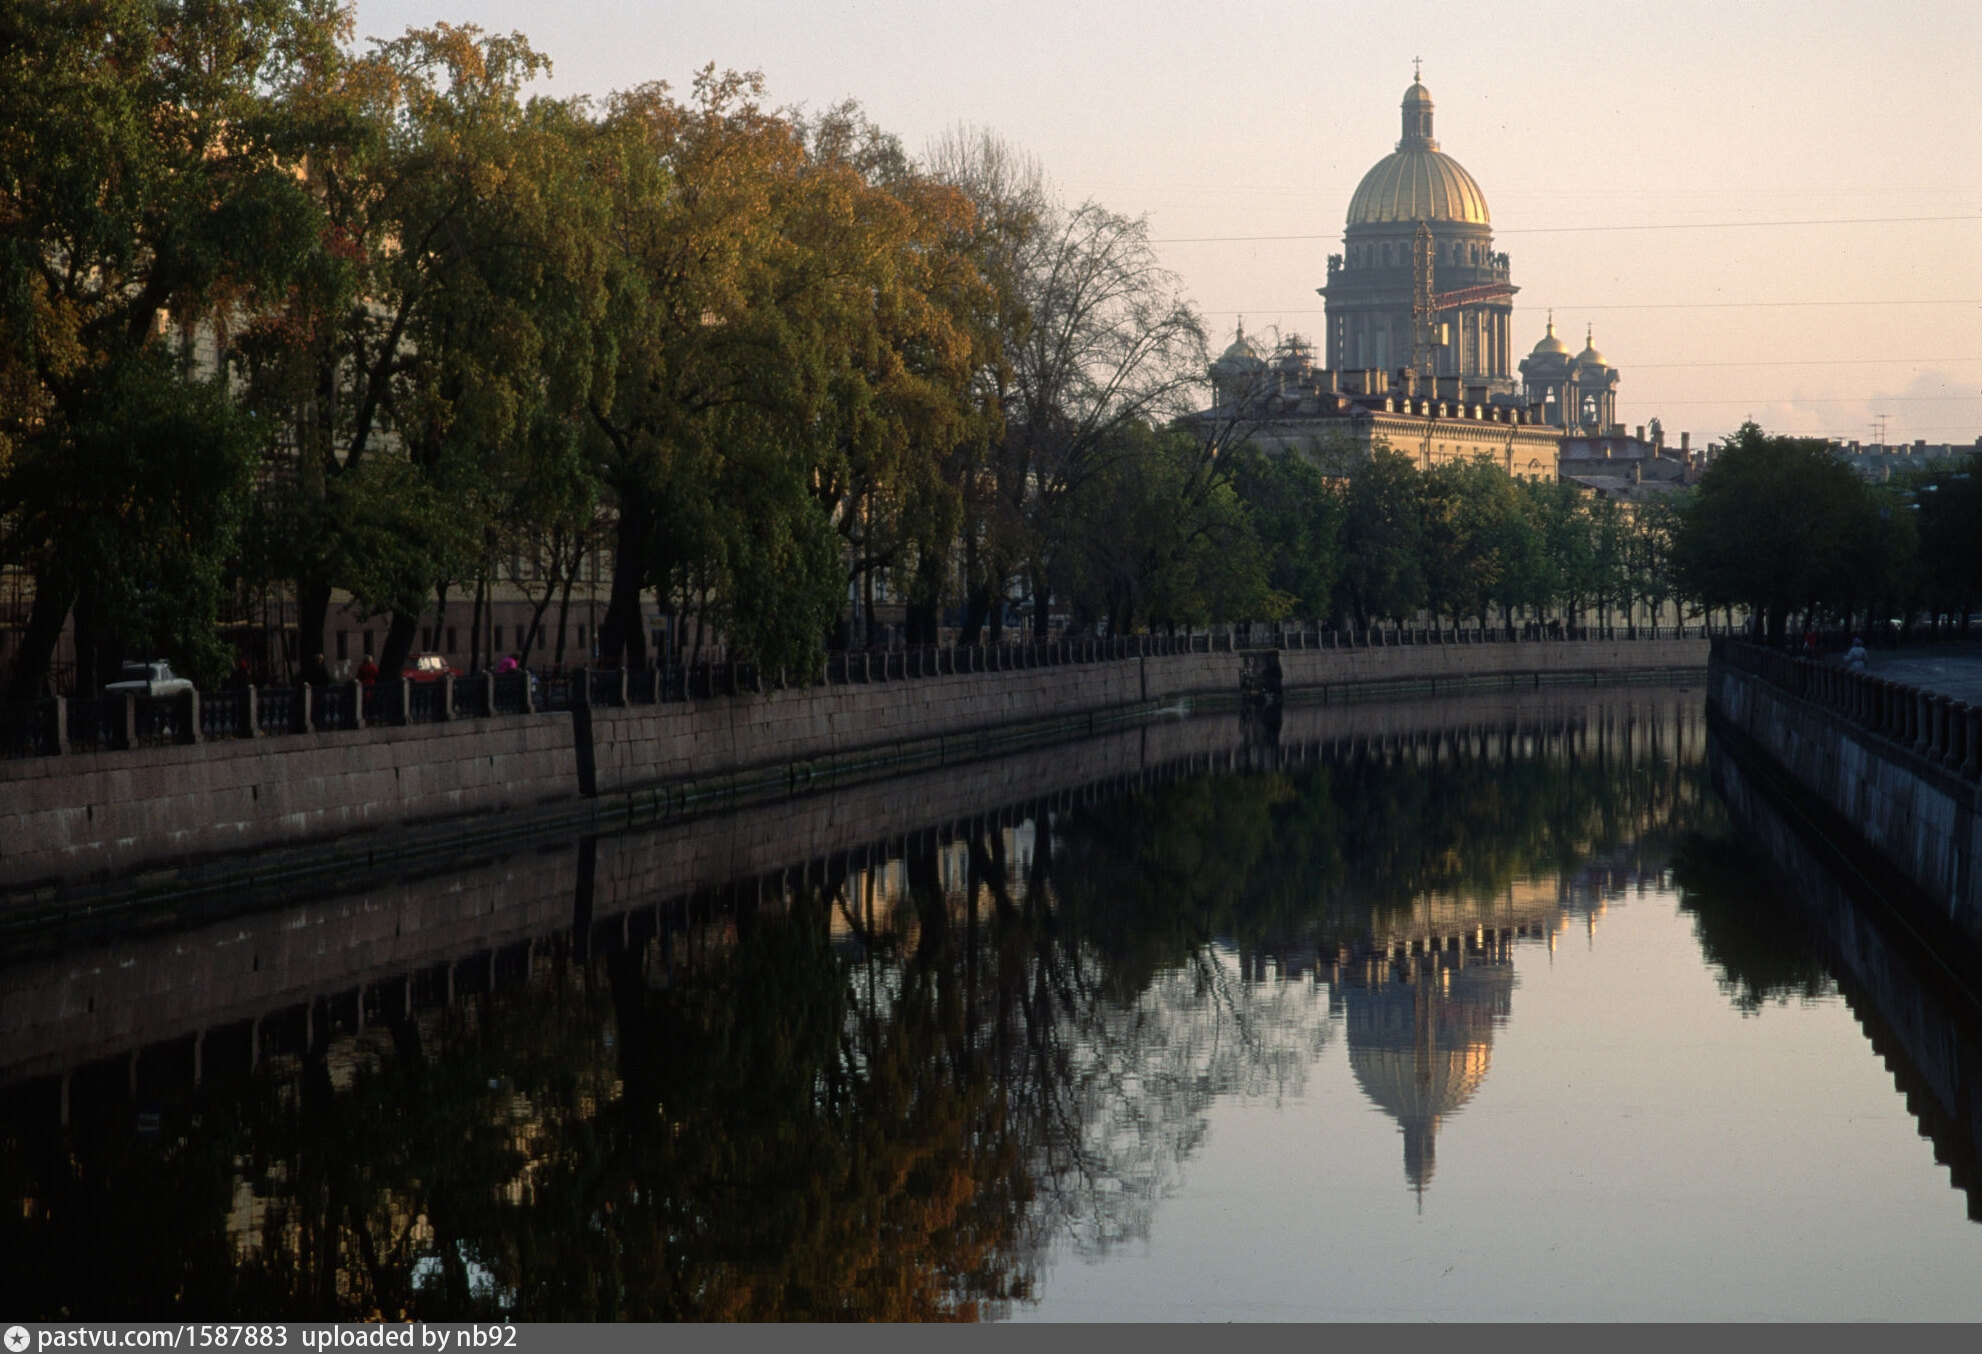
{"points": [[284, 315]]}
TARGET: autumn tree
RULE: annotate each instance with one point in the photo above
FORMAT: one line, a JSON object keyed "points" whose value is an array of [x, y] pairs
{"points": [[431, 333], [147, 202]]}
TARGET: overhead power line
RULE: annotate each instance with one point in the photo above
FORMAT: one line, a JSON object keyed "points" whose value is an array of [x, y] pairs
{"points": [[1828, 399], [1586, 230], [1806, 362], [1658, 305]]}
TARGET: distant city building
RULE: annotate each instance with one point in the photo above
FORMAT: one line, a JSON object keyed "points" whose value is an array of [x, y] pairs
{"points": [[1629, 466], [1879, 462]]}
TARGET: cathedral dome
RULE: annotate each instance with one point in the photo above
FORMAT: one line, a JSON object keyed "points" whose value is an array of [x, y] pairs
{"points": [[1417, 181], [1550, 345], [1243, 356], [1590, 357]]}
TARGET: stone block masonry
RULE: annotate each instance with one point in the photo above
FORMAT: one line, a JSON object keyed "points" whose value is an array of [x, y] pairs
{"points": [[77, 821]]}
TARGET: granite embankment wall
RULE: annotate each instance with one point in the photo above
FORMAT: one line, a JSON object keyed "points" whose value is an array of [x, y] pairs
{"points": [[69, 820], [1891, 765]]}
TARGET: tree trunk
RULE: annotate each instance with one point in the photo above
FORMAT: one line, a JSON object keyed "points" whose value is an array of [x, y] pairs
{"points": [[398, 644], [976, 611], [440, 617], [621, 641], [564, 616], [36, 654]]}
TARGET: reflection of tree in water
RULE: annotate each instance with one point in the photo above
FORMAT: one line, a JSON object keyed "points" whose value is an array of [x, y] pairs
{"points": [[882, 1092], [1762, 945], [1110, 1082]]}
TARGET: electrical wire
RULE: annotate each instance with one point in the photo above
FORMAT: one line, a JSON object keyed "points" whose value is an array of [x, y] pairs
{"points": [[1587, 230]]}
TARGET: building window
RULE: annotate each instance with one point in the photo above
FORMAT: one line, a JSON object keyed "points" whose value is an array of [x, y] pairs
{"points": [[452, 647], [369, 650], [343, 643], [495, 639], [426, 638]]}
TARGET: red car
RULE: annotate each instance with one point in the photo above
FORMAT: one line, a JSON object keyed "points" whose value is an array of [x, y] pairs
{"points": [[428, 667]]}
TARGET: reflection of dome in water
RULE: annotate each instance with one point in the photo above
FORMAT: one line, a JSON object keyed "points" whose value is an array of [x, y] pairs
{"points": [[1418, 1088], [1421, 1048]]}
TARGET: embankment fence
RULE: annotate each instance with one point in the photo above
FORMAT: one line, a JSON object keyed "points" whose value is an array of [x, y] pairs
{"points": [[58, 725], [1945, 731]]}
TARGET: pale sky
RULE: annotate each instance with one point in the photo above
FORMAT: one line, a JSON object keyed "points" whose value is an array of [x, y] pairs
{"points": [[1216, 121]]}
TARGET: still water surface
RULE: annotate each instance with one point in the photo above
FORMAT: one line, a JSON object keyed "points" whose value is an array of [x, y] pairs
{"points": [[1485, 1017]]}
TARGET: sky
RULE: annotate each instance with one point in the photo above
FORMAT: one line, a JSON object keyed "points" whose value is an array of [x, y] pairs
{"points": [[1761, 210]]}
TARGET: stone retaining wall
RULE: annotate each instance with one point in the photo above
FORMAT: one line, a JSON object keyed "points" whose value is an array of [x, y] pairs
{"points": [[70, 817], [67, 821]]}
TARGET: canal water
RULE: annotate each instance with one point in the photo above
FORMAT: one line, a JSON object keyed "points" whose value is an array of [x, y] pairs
{"points": [[1462, 1010]]}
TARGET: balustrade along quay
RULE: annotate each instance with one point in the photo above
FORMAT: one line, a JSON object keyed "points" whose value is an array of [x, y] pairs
{"points": [[92, 790]]}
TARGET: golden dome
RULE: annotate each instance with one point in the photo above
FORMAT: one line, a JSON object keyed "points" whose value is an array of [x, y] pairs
{"points": [[1590, 357], [1550, 345], [1417, 181], [1243, 355]]}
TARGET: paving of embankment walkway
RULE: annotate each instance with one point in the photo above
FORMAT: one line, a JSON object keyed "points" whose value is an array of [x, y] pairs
{"points": [[1946, 669]]}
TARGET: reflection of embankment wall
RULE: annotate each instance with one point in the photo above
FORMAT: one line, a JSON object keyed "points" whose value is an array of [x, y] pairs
{"points": [[1918, 817], [92, 1001], [1921, 1024], [68, 820]]}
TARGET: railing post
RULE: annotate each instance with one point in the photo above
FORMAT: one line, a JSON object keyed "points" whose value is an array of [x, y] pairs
{"points": [[1971, 741], [357, 704], [251, 712], [1946, 734], [306, 696], [192, 734], [445, 706], [1923, 721], [128, 738]]}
